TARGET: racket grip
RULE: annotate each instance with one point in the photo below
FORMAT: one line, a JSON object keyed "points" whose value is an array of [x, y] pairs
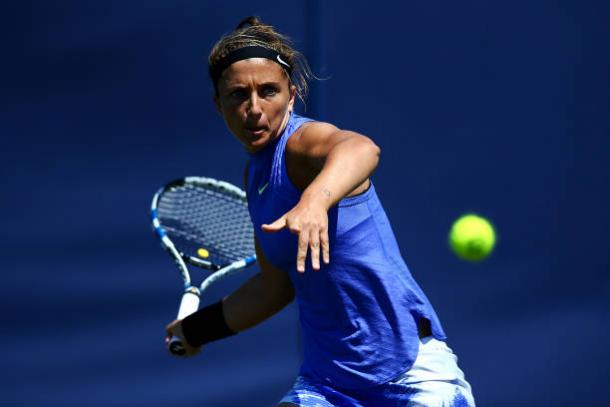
{"points": [[188, 305]]}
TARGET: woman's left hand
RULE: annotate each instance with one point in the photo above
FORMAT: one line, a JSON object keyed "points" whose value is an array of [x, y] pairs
{"points": [[308, 220]]}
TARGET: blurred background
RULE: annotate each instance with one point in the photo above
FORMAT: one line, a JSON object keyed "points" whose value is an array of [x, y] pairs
{"points": [[501, 109]]}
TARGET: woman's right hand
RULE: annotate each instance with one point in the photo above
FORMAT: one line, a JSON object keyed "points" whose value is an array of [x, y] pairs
{"points": [[175, 329]]}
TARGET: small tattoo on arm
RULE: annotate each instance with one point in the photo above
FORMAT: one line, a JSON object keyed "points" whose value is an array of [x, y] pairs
{"points": [[326, 192]]}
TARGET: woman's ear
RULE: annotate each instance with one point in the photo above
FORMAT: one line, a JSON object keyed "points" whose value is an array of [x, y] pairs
{"points": [[293, 93]]}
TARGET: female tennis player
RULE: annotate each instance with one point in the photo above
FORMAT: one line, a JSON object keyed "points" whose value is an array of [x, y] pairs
{"points": [[371, 337]]}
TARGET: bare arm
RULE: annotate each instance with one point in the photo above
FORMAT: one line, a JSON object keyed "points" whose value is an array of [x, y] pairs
{"points": [[259, 298], [327, 164]]}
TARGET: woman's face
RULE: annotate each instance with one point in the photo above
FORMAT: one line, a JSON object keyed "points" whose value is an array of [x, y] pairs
{"points": [[255, 99]]}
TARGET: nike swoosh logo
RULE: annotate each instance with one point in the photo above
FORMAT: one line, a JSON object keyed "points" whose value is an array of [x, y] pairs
{"points": [[281, 61], [262, 189]]}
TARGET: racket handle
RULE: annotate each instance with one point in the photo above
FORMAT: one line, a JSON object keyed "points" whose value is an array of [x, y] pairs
{"points": [[188, 305]]}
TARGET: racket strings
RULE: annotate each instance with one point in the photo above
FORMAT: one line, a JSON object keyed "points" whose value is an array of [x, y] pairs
{"points": [[195, 217]]}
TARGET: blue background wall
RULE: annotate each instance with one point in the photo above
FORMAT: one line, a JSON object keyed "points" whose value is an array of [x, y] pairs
{"points": [[501, 109]]}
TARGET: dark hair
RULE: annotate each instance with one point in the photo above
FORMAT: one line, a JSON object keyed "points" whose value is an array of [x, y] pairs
{"points": [[251, 31]]}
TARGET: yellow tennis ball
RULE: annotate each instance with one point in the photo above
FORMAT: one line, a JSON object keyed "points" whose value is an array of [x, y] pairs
{"points": [[203, 253], [472, 237]]}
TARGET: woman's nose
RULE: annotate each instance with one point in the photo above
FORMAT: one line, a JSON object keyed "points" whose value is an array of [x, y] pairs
{"points": [[254, 107]]}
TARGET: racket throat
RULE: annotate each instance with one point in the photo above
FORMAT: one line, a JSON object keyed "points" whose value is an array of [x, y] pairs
{"points": [[189, 303], [192, 290]]}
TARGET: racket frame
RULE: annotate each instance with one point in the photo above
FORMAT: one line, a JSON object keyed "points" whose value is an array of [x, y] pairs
{"points": [[192, 294]]}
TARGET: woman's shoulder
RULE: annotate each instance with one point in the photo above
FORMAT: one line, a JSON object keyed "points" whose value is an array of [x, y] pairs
{"points": [[310, 135], [306, 151]]}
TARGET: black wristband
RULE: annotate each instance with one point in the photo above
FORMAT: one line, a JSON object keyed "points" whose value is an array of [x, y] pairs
{"points": [[206, 325]]}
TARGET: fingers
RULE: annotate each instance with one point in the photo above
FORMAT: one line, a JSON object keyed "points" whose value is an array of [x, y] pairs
{"points": [[169, 329], [275, 226], [325, 246], [319, 240], [175, 329], [314, 240], [314, 250], [302, 250], [311, 227]]}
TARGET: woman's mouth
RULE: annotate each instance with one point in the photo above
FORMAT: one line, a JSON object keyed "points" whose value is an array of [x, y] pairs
{"points": [[256, 131]]}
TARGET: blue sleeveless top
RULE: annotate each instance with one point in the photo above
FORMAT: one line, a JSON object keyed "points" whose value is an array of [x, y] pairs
{"points": [[358, 313]]}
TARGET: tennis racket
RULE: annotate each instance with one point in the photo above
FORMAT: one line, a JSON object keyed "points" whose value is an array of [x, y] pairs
{"points": [[205, 223]]}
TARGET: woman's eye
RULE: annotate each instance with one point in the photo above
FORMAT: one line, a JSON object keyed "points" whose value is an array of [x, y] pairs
{"points": [[269, 91], [238, 94]]}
